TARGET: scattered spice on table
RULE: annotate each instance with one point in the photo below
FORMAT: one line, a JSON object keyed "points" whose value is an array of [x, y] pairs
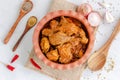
{"points": [[98, 75], [110, 65], [101, 76], [35, 64], [15, 58], [86, 78]]}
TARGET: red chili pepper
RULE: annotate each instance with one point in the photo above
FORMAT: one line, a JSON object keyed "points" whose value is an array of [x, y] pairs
{"points": [[35, 64], [14, 58], [10, 67]]}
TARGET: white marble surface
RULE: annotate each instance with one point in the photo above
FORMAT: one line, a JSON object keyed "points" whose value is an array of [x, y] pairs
{"points": [[9, 10]]}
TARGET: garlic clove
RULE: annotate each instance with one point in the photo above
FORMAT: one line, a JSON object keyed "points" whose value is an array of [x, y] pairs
{"points": [[103, 4], [109, 17]]}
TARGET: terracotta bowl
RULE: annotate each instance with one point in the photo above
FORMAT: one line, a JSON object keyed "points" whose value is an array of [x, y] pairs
{"points": [[47, 18]]}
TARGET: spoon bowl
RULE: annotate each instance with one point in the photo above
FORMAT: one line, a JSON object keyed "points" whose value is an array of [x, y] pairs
{"points": [[98, 59], [98, 63], [27, 6]]}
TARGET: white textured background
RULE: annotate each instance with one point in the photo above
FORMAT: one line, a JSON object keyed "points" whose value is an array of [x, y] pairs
{"points": [[9, 10]]}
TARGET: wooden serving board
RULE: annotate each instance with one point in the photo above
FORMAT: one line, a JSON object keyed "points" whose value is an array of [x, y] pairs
{"points": [[72, 74]]}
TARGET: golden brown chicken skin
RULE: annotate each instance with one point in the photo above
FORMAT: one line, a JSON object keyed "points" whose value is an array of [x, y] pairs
{"points": [[65, 53], [47, 32], [59, 38], [53, 24], [84, 39], [68, 27], [53, 55], [45, 44]]}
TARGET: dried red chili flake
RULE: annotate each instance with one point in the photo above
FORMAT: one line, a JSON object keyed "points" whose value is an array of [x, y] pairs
{"points": [[35, 64], [15, 58], [11, 68]]}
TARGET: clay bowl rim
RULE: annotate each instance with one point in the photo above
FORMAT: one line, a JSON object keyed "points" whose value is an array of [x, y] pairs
{"points": [[47, 18]]}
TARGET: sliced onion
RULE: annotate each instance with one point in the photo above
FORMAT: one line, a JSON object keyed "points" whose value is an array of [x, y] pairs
{"points": [[94, 18], [84, 9]]}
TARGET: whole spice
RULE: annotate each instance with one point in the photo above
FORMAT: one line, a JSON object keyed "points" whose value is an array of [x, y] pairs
{"points": [[15, 58], [35, 64]]}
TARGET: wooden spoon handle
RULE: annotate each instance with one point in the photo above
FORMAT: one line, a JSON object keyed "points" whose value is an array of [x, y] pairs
{"points": [[19, 40], [114, 33], [106, 46], [7, 38], [26, 0]]}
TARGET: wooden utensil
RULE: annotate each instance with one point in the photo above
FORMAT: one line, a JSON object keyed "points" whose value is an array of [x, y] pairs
{"points": [[30, 23], [26, 7], [98, 59]]}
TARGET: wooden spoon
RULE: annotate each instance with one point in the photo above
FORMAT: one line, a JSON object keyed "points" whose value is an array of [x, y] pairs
{"points": [[30, 23], [26, 7], [98, 59]]}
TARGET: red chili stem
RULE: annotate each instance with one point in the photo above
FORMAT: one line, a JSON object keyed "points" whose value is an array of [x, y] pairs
{"points": [[14, 58], [35, 64], [11, 68]]}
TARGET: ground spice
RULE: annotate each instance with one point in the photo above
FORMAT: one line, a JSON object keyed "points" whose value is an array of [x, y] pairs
{"points": [[110, 65]]}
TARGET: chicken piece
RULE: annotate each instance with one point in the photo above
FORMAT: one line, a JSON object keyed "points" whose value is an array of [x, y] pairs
{"points": [[82, 32], [76, 22], [67, 26], [81, 53], [58, 38], [53, 55], [75, 41], [69, 20], [45, 44], [69, 29], [47, 32], [84, 39], [76, 46], [65, 53], [53, 24], [63, 21], [76, 50]]}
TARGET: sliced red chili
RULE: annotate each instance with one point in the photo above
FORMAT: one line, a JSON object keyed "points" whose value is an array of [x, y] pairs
{"points": [[15, 58], [35, 64], [11, 68]]}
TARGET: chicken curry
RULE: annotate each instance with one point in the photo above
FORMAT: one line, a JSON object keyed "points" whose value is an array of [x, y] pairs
{"points": [[63, 40]]}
